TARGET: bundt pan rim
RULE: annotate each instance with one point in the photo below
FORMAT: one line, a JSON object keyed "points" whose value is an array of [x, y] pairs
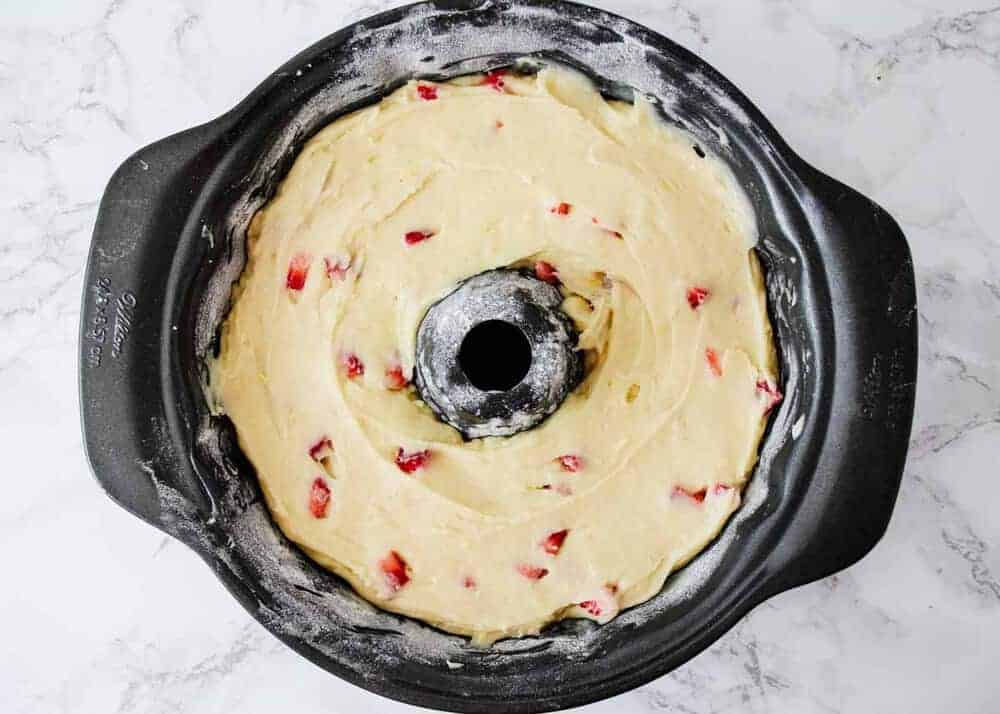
{"points": [[168, 243]]}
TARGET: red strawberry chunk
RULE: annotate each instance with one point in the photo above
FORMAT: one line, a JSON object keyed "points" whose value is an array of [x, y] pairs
{"points": [[547, 272], [532, 572], [495, 79], [395, 379], [604, 605], [427, 92], [712, 357], [395, 570], [412, 461], [697, 296], [298, 270], [353, 366], [553, 543], [469, 583], [336, 268], [570, 462], [561, 209], [592, 606], [696, 496], [414, 237], [322, 448], [319, 498], [770, 392]]}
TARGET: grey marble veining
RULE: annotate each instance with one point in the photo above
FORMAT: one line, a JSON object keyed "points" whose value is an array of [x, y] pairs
{"points": [[900, 98]]}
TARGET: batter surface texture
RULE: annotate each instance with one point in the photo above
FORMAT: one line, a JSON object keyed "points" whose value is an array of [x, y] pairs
{"points": [[383, 213]]}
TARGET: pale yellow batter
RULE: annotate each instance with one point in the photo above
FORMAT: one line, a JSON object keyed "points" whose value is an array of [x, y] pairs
{"points": [[382, 214]]}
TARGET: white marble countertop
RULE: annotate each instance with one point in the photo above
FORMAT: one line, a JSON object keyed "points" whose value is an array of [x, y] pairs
{"points": [[900, 98]]}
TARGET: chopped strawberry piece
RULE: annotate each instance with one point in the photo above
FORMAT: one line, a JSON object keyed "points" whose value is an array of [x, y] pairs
{"points": [[495, 79], [298, 270], [532, 572], [322, 448], [771, 392], [570, 462], [554, 541], [696, 496], [427, 92], [697, 296], [547, 272], [319, 498], [712, 357], [336, 268], [720, 488], [395, 379], [414, 237], [591, 606], [561, 209], [395, 570], [353, 366], [604, 604], [469, 582], [413, 461]]}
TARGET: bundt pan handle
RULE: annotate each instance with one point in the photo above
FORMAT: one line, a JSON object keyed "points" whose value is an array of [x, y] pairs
{"points": [[846, 509], [122, 346]]}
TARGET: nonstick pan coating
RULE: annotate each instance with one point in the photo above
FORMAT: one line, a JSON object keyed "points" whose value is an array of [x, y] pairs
{"points": [[169, 242]]}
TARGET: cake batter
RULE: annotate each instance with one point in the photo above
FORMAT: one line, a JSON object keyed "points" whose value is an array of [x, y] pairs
{"points": [[383, 213]]}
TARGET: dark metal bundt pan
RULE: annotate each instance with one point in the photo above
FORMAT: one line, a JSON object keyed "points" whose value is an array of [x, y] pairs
{"points": [[169, 242]]}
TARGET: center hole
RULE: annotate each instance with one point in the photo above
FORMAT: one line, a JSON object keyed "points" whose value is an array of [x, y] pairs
{"points": [[495, 355]]}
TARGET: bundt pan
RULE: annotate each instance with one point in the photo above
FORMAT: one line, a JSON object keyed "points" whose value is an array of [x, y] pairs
{"points": [[169, 242]]}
